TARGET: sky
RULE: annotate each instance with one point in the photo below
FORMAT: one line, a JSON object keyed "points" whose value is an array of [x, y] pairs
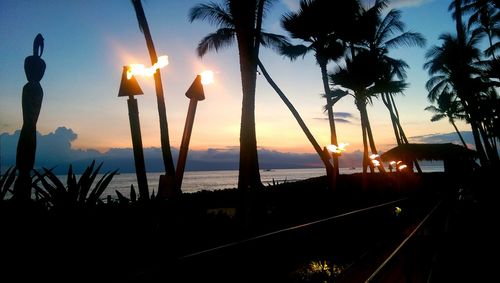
{"points": [[88, 42]]}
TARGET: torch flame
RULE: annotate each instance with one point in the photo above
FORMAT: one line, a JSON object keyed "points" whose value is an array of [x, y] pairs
{"points": [[374, 160], [392, 163], [139, 69], [401, 167], [207, 77], [337, 149]]}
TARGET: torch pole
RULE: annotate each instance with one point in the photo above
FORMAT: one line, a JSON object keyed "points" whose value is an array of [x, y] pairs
{"points": [[135, 129], [186, 136]]}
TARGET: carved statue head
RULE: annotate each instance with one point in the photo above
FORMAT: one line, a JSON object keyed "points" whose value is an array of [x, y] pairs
{"points": [[34, 66]]}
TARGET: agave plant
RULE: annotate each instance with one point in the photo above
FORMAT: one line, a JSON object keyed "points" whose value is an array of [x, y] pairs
{"points": [[124, 200], [75, 193], [6, 181]]}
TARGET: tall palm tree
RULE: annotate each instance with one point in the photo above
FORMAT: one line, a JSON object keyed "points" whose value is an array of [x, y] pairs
{"points": [[486, 151], [240, 21], [485, 15], [300, 121], [379, 35], [463, 77], [448, 107], [358, 78], [309, 24], [385, 34], [387, 88], [167, 186]]}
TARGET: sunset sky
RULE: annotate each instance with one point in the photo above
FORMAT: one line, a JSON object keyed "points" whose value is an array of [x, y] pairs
{"points": [[88, 42]]}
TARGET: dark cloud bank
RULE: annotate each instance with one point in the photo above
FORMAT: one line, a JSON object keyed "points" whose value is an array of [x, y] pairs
{"points": [[54, 150]]}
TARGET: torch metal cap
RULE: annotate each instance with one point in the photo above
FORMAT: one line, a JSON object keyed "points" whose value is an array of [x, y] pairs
{"points": [[195, 91], [128, 87]]}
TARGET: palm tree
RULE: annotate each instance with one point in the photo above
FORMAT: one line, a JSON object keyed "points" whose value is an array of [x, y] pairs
{"points": [[485, 14], [309, 24], [358, 78], [448, 106], [387, 87], [300, 121], [240, 20], [379, 35], [167, 186], [461, 76], [385, 34]]}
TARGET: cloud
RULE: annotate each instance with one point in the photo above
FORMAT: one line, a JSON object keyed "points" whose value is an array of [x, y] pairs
{"points": [[407, 3], [54, 150], [340, 117], [445, 138], [344, 115], [338, 120], [396, 4]]}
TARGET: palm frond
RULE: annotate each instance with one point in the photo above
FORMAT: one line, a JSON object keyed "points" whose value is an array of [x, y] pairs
{"points": [[213, 13], [436, 91], [388, 86], [398, 67], [493, 49], [438, 117], [433, 81], [390, 25], [273, 41], [267, 6], [408, 39], [433, 109], [222, 38], [294, 51]]}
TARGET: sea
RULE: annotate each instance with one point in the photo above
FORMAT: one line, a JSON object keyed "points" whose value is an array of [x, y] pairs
{"points": [[195, 181]]}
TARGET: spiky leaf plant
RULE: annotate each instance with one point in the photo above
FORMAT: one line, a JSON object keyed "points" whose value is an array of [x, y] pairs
{"points": [[76, 193], [6, 182]]}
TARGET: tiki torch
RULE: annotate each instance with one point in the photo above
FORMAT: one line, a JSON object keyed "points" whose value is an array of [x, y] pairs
{"points": [[195, 93], [334, 152], [129, 87]]}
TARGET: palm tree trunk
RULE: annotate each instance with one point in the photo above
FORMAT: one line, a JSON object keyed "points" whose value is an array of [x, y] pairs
{"points": [[359, 105], [458, 132], [164, 136], [371, 140], [492, 155], [402, 136], [396, 112], [479, 146], [483, 159], [258, 26], [388, 105], [297, 117], [249, 175], [458, 22], [474, 122], [331, 118]]}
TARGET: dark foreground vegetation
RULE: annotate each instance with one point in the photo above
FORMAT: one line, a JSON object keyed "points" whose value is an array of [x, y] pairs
{"points": [[121, 241]]}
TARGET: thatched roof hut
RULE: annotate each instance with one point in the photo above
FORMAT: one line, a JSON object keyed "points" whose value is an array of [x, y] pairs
{"points": [[455, 157]]}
